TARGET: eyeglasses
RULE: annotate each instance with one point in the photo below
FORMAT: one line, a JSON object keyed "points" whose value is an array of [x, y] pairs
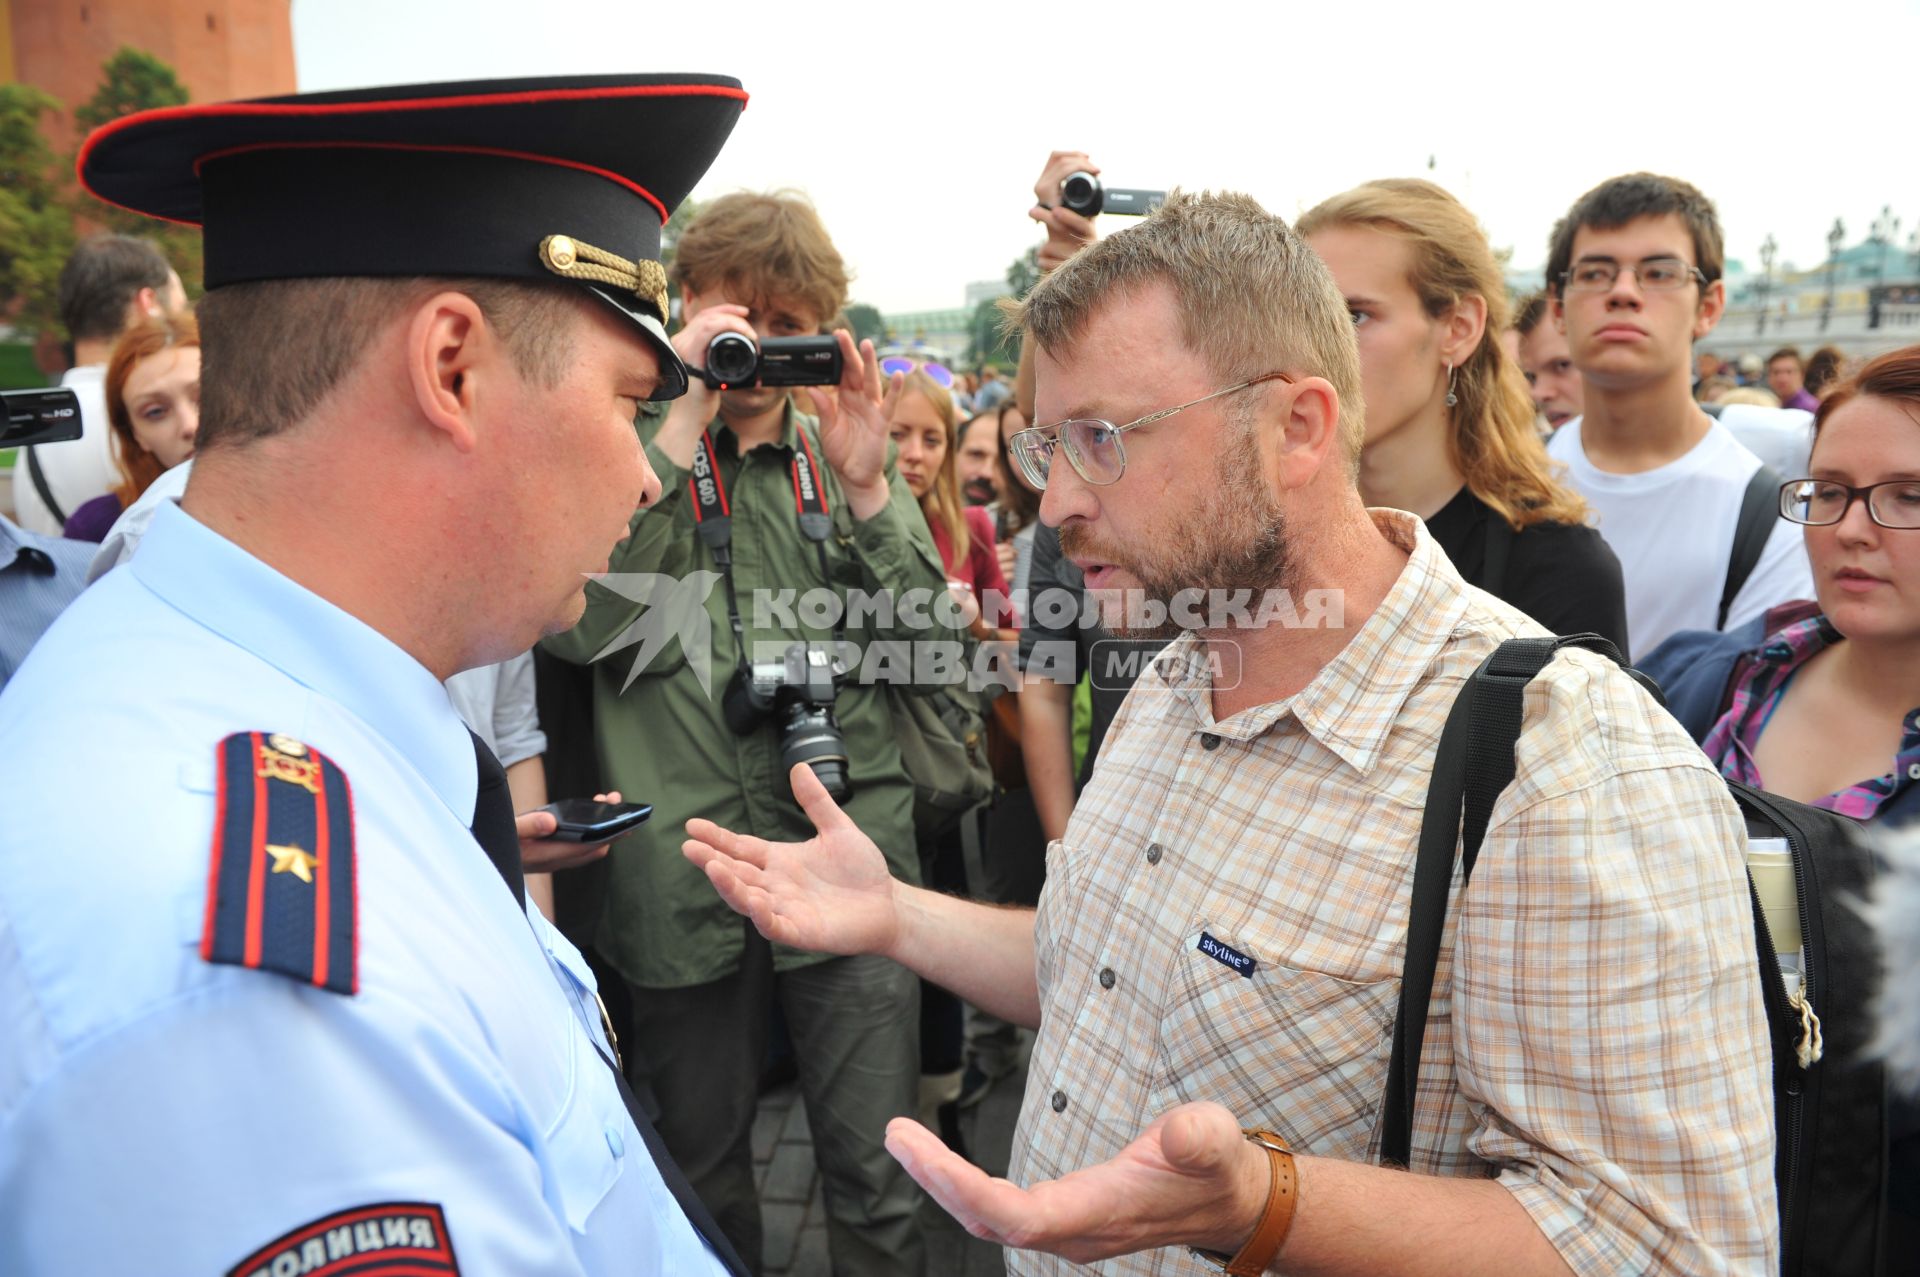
{"points": [[942, 375], [1819, 503], [1092, 445], [1656, 274]]}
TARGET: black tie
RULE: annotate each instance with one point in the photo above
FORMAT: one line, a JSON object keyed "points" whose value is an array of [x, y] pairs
{"points": [[493, 829]]}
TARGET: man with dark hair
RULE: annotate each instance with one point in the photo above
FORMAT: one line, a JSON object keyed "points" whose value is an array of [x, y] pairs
{"points": [[701, 986], [1634, 270], [1787, 378], [978, 459], [1224, 927], [283, 963], [1552, 380], [110, 283]]}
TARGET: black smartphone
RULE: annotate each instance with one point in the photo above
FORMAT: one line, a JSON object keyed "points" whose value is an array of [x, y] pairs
{"points": [[585, 821]]}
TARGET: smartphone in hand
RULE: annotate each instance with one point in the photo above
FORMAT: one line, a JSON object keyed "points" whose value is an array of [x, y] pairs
{"points": [[583, 820]]}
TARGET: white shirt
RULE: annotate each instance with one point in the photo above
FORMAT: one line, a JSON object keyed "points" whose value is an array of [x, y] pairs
{"points": [[124, 536], [1781, 437], [497, 702], [1672, 529], [78, 470], [157, 1109]]}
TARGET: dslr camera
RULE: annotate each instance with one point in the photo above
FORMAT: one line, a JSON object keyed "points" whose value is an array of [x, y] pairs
{"points": [[1083, 193], [734, 361], [796, 693]]}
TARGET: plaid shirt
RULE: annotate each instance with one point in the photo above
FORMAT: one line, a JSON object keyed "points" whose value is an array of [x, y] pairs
{"points": [[1757, 694], [1596, 1037]]}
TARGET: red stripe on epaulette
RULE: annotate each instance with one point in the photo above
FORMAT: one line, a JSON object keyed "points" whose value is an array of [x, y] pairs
{"points": [[384, 1239], [281, 890]]}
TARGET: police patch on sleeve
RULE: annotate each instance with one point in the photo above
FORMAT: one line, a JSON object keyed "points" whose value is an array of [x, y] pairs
{"points": [[386, 1239], [280, 892]]}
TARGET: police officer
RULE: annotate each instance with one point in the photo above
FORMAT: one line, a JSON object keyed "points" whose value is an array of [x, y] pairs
{"points": [[269, 1007]]}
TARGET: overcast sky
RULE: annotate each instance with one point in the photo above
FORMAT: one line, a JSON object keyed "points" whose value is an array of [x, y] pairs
{"points": [[918, 129]]}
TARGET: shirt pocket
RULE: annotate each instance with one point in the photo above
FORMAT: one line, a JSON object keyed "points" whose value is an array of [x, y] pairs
{"points": [[1300, 1051], [593, 1136]]}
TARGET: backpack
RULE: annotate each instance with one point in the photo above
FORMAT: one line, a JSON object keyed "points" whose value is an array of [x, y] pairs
{"points": [[1829, 1104], [943, 747]]}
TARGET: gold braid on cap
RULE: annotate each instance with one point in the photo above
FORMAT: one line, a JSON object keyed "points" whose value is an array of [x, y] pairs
{"points": [[564, 255]]}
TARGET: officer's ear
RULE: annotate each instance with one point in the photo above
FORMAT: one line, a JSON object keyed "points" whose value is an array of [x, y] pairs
{"points": [[449, 347]]}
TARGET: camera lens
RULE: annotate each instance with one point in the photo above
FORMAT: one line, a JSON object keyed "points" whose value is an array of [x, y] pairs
{"points": [[809, 735], [1081, 193], [732, 359]]}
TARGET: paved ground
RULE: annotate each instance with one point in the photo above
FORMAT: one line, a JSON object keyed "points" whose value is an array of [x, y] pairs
{"points": [[795, 1221]]}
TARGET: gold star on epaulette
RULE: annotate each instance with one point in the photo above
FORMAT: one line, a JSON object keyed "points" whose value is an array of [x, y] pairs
{"points": [[293, 860]]}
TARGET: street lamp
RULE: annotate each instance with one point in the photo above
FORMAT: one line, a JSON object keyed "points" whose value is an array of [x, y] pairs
{"points": [[1767, 250], [1885, 228], [1835, 238]]}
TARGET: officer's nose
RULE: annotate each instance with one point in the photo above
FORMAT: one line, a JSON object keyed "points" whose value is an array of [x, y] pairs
{"points": [[650, 485]]}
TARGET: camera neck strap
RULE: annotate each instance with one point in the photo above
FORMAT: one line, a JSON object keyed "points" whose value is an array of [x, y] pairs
{"points": [[713, 516]]}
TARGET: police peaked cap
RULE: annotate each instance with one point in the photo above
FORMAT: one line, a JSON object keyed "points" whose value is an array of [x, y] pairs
{"points": [[564, 178]]}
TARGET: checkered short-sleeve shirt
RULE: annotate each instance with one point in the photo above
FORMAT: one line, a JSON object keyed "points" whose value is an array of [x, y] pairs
{"points": [[1226, 920]]}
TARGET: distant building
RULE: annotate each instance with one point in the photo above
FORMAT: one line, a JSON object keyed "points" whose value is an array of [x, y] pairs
{"points": [[220, 49], [986, 290]]}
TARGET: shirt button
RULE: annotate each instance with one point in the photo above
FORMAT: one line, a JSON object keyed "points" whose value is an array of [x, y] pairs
{"points": [[615, 1144], [1153, 853], [1059, 1101], [1106, 977], [1913, 771], [1209, 741]]}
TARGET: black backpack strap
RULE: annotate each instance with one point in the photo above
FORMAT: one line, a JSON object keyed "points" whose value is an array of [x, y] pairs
{"points": [[40, 485], [1473, 763], [1759, 510]]}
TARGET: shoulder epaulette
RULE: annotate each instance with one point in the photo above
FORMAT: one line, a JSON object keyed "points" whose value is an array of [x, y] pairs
{"points": [[280, 893]]}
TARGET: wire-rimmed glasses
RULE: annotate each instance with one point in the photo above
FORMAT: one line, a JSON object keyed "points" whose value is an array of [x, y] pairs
{"points": [[1656, 274], [1093, 446]]}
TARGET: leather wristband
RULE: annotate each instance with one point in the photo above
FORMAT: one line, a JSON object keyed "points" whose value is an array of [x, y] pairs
{"points": [[1270, 1233]]}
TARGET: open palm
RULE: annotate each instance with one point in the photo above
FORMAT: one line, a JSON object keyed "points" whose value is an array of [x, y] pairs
{"points": [[853, 422], [831, 893], [1188, 1179]]}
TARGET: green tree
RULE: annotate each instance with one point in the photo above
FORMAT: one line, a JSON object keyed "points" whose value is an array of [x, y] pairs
{"points": [[867, 323], [131, 80], [1025, 272], [988, 342], [36, 227], [134, 80]]}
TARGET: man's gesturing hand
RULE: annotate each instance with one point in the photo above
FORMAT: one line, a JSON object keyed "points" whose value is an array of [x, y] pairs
{"points": [[853, 427], [1191, 1179], [831, 893]]}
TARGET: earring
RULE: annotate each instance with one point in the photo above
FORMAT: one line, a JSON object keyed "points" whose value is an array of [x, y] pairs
{"points": [[1453, 400]]}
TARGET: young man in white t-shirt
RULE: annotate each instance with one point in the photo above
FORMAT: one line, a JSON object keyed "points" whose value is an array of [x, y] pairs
{"points": [[1634, 271]]}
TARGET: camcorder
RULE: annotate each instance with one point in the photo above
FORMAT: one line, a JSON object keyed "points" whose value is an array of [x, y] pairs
{"points": [[734, 361], [1083, 193], [796, 694], [40, 416]]}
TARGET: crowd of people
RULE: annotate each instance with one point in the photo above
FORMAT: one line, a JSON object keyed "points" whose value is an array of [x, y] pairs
{"points": [[446, 536]]}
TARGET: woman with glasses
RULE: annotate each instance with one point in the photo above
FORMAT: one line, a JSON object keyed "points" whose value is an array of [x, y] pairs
{"points": [[1450, 425], [1820, 701]]}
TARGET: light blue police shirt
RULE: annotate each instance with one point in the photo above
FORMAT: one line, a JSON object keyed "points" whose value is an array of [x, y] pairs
{"points": [[159, 1113]]}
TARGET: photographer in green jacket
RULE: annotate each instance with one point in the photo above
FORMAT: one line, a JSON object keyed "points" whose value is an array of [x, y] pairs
{"points": [[684, 723]]}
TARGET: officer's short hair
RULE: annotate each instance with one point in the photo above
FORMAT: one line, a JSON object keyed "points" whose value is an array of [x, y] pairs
{"points": [[274, 349], [761, 247], [100, 281]]}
